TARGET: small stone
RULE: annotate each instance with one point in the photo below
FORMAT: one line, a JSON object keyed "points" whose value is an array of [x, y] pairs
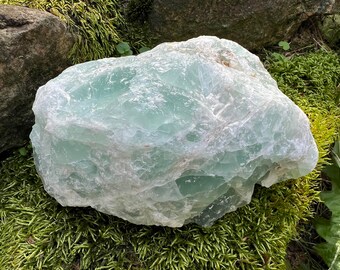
{"points": [[178, 134]]}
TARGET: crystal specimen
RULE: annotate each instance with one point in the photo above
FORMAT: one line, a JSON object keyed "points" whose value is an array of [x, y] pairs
{"points": [[178, 134]]}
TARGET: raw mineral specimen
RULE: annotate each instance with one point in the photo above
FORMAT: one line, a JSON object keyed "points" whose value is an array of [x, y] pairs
{"points": [[178, 134]]}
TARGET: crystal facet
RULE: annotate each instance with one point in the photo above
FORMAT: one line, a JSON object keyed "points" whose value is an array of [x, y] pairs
{"points": [[178, 134]]}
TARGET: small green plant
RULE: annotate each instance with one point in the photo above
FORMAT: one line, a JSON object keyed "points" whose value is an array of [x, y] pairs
{"points": [[280, 57], [143, 49], [330, 229], [23, 151], [284, 45], [124, 49]]}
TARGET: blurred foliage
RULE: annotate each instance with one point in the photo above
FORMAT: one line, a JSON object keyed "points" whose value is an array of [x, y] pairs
{"points": [[330, 229]]}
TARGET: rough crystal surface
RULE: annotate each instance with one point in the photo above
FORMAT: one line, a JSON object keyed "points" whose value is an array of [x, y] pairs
{"points": [[178, 134]]}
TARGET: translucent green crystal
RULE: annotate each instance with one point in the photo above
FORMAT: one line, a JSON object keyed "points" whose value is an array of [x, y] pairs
{"points": [[178, 134]]}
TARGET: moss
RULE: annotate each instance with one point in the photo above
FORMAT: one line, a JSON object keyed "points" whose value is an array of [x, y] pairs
{"points": [[315, 78], [37, 233]]}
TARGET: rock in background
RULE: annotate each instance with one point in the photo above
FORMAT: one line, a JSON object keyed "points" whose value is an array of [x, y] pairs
{"points": [[253, 24], [34, 48], [330, 29]]}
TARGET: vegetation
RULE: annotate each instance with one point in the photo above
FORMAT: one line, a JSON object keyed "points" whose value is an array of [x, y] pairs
{"points": [[329, 229], [37, 233]]}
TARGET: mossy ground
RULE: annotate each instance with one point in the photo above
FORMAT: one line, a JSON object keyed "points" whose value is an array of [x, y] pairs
{"points": [[37, 233]]}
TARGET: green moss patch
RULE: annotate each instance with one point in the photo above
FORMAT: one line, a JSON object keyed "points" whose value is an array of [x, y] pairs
{"points": [[37, 233]]}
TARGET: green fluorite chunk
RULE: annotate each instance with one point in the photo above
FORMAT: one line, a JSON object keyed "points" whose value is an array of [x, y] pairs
{"points": [[177, 134]]}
